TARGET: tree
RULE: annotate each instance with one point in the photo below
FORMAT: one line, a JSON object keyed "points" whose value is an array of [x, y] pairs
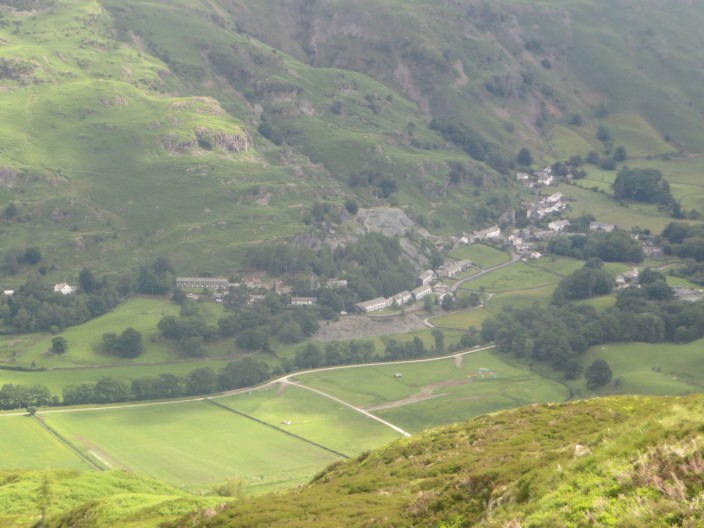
{"points": [[598, 374], [201, 381], [59, 345], [32, 256], [126, 345], [524, 157], [619, 154], [603, 134], [87, 281], [439, 341], [45, 495]]}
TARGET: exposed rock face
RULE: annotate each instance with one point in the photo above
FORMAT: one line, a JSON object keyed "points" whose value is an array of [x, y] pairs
{"points": [[235, 143], [205, 139], [8, 176], [387, 221]]}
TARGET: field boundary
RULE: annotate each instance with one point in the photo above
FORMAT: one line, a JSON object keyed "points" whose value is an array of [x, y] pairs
{"points": [[272, 426], [53, 432]]}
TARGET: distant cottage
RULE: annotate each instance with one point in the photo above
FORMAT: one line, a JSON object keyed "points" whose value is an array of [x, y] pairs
{"points": [[64, 288], [558, 225], [598, 226], [304, 301]]}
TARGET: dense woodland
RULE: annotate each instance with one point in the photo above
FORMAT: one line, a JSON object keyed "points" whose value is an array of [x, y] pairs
{"points": [[372, 265], [617, 246]]}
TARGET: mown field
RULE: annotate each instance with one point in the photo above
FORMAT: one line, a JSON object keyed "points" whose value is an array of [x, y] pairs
{"points": [[25, 444], [313, 417], [191, 444], [437, 392], [475, 317], [480, 255], [519, 275]]}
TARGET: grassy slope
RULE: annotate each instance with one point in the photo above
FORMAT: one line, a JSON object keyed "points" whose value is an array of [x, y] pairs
{"points": [[642, 467], [89, 498]]}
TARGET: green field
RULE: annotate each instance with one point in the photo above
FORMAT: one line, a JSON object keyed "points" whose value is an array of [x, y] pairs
{"points": [[606, 209], [481, 255], [191, 444], [476, 316], [560, 265], [645, 368], [25, 444], [436, 392], [518, 275], [84, 340], [313, 417]]}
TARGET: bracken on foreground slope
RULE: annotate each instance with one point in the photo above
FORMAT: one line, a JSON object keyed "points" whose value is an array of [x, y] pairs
{"points": [[628, 461]]}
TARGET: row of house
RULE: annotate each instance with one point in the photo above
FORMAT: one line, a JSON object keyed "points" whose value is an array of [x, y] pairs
{"points": [[455, 268], [212, 283], [400, 299]]}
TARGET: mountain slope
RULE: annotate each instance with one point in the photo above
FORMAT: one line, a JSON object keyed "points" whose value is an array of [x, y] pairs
{"points": [[629, 461], [136, 129], [520, 61]]}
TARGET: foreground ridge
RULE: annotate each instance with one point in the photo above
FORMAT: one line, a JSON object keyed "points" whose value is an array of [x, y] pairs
{"points": [[626, 461]]}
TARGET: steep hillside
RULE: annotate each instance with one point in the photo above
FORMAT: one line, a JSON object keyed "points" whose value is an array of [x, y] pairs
{"points": [[498, 65], [629, 461], [141, 129], [136, 129]]}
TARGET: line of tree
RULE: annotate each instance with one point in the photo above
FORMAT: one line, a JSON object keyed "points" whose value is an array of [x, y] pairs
{"points": [[22, 396], [617, 246], [244, 372], [559, 334]]}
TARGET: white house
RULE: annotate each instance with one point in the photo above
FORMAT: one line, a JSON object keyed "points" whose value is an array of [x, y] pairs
{"points": [[421, 292], [374, 305], [554, 198], [304, 301], [558, 225], [213, 283], [424, 278], [401, 298], [64, 288], [598, 226]]}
